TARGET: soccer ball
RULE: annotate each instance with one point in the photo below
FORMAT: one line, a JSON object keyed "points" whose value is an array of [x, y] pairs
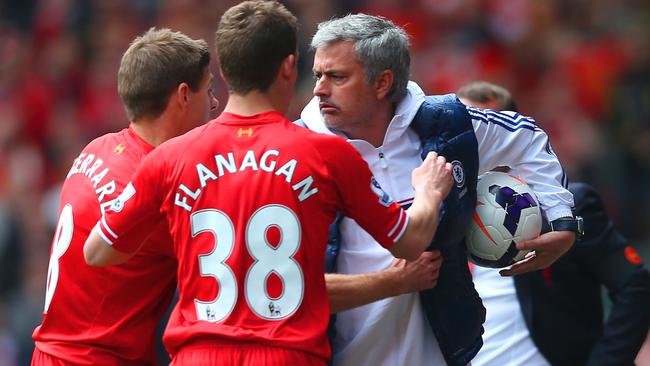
{"points": [[507, 212]]}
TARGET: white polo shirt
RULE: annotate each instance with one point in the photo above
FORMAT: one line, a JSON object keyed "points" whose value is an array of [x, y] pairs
{"points": [[506, 340]]}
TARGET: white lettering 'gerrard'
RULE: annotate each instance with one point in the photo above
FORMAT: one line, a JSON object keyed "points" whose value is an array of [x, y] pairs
{"points": [[267, 162], [89, 165]]}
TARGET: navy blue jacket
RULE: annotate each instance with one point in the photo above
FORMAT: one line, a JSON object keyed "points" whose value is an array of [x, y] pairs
{"points": [[453, 308]]}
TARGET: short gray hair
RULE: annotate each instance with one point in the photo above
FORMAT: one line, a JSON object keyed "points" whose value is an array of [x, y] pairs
{"points": [[379, 43]]}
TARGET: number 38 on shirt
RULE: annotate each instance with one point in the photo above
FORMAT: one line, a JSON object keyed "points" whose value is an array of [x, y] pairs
{"points": [[267, 258]]}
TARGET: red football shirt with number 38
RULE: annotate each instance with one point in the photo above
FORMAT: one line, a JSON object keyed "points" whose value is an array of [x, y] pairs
{"points": [[248, 201]]}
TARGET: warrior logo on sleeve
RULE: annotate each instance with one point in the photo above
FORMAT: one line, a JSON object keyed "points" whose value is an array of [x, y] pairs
{"points": [[384, 198]]}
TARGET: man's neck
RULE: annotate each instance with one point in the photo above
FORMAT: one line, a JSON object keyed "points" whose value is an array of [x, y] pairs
{"points": [[251, 104], [153, 131]]}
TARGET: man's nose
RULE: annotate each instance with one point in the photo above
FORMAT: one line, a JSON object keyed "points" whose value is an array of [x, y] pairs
{"points": [[321, 89]]}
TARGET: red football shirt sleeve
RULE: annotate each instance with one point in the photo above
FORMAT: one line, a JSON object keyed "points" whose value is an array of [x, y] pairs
{"points": [[363, 199], [136, 211]]}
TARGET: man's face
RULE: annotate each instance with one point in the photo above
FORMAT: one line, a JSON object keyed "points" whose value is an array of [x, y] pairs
{"points": [[202, 103], [345, 99]]}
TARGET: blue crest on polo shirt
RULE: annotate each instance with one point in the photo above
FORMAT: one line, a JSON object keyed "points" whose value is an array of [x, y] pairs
{"points": [[384, 198], [458, 173]]}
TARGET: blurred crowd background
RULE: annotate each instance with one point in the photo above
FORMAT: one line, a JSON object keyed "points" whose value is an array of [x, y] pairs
{"points": [[580, 67]]}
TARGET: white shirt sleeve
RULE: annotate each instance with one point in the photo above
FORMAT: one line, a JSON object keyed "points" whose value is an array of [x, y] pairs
{"points": [[510, 139]]}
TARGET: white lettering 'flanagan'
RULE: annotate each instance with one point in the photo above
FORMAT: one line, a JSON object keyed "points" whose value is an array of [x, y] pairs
{"points": [[263, 161], [181, 201], [223, 163], [204, 174], [227, 164], [305, 184]]}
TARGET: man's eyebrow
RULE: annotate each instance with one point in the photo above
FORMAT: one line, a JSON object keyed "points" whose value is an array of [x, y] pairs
{"points": [[327, 72]]}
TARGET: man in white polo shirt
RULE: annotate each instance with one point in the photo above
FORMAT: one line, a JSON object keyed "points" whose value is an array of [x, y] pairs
{"points": [[362, 92]]}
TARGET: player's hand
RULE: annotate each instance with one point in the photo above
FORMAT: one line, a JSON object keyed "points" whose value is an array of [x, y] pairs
{"points": [[433, 176], [413, 276], [547, 248]]}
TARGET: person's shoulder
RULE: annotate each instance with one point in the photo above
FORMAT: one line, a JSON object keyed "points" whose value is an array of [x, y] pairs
{"points": [[441, 112], [179, 146], [445, 104], [585, 197], [450, 99], [329, 147], [326, 142], [112, 148], [313, 136], [172, 152]]}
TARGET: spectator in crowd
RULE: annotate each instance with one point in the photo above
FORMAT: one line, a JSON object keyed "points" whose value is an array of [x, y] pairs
{"points": [[362, 92], [249, 198], [108, 316]]}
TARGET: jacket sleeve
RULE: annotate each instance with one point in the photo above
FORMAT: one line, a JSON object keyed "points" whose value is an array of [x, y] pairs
{"points": [[510, 139], [605, 253]]}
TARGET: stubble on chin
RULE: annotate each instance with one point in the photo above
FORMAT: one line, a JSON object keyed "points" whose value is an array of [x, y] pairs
{"points": [[330, 122]]}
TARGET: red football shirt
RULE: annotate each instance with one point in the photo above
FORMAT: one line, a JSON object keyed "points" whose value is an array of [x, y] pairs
{"points": [[248, 201], [109, 315]]}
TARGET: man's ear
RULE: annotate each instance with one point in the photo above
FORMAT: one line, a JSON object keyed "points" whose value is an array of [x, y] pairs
{"points": [[383, 83], [183, 95], [287, 66]]}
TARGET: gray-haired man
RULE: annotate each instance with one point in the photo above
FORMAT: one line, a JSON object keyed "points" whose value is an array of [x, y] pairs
{"points": [[362, 92]]}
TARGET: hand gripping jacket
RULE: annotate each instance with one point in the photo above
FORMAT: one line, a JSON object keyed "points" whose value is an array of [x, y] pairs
{"points": [[453, 308]]}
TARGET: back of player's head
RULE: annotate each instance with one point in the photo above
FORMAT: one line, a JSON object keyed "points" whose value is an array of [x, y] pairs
{"points": [[487, 93], [252, 40], [379, 43], [154, 65]]}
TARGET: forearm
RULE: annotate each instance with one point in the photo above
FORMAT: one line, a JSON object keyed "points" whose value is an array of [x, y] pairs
{"points": [[99, 252], [431, 182], [347, 291], [423, 223], [423, 216]]}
